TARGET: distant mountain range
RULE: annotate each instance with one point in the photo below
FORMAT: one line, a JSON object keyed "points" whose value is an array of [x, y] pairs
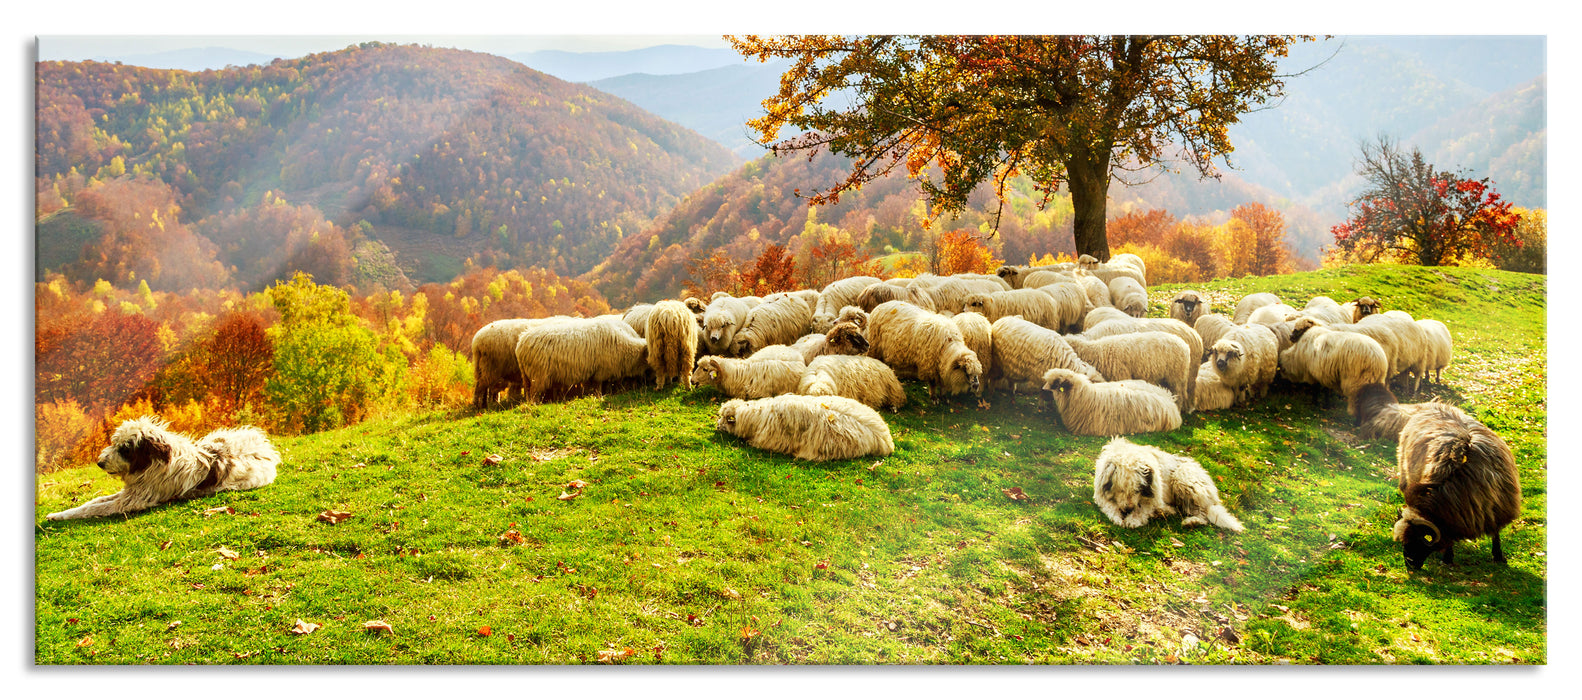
{"points": [[199, 59], [664, 60]]}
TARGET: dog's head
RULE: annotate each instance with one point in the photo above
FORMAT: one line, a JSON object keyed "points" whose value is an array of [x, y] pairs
{"points": [[136, 446], [1127, 487]]}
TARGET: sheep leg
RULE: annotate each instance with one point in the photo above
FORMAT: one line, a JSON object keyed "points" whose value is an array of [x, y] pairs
{"points": [[1450, 553], [1499, 554]]}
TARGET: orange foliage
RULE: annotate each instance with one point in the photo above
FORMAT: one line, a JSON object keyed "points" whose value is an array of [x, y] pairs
{"points": [[961, 251], [1254, 243], [1150, 228]]}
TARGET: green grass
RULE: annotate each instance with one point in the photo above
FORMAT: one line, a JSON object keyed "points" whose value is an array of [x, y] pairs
{"points": [[688, 547]]}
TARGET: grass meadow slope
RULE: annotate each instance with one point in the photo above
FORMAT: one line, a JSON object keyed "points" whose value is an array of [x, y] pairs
{"points": [[685, 546]]}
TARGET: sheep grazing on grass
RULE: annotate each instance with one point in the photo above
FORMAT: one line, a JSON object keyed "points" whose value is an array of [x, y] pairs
{"points": [[1325, 309], [1340, 361], [574, 351], [1155, 357], [919, 343], [672, 334], [1110, 408], [779, 320], [1210, 393], [1133, 483], [1124, 325], [979, 336], [1210, 327], [1023, 352], [1032, 305], [1246, 359], [1188, 306], [1129, 295], [1097, 292], [1272, 314], [494, 365], [1459, 481], [814, 428], [835, 296], [1014, 275], [1438, 348], [875, 294], [637, 318], [862, 378], [1251, 303], [721, 318], [748, 379], [949, 294], [843, 338]]}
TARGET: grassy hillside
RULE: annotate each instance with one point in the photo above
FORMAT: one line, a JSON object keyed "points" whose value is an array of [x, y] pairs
{"points": [[686, 546]]}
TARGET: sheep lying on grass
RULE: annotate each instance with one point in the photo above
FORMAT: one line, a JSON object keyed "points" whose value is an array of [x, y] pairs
{"points": [[779, 320], [1124, 325], [814, 428], [862, 378], [1211, 393], [1210, 327], [1110, 408], [1341, 361], [1155, 357], [919, 343], [573, 351], [748, 379], [1132, 483], [1459, 481], [1024, 351], [843, 338], [672, 334], [721, 318]]}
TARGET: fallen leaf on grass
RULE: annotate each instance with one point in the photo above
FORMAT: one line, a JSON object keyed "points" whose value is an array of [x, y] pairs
{"points": [[164, 545], [85, 641], [1015, 493], [303, 627], [822, 565], [492, 460], [611, 656], [511, 536], [222, 509], [568, 496], [577, 484], [484, 631], [378, 626], [333, 516], [227, 553]]}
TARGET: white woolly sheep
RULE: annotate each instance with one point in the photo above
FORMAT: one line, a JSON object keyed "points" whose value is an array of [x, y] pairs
{"points": [[1251, 303], [785, 353], [1439, 346], [862, 378], [1188, 306], [1070, 299], [776, 321], [1340, 361], [814, 428], [1247, 358], [1414, 349], [1129, 296], [1032, 305], [1325, 309], [855, 314], [672, 334], [1014, 275], [637, 318], [1039, 278], [979, 336], [1126, 324], [1459, 481], [1397, 356], [838, 294], [1211, 394], [1132, 259], [573, 351], [949, 294], [1101, 314], [843, 338], [494, 366], [876, 294], [1110, 408], [1097, 292], [1210, 327], [724, 315], [1132, 483], [748, 379], [1024, 352], [1111, 270], [1155, 357], [1273, 314], [919, 343]]}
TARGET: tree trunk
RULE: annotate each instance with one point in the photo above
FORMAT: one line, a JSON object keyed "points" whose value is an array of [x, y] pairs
{"points": [[1089, 182]]}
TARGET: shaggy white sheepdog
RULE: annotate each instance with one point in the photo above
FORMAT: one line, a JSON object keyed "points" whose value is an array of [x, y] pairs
{"points": [[1132, 483]]}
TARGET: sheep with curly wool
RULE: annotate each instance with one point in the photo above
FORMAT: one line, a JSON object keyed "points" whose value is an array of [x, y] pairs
{"points": [[1210, 327], [1128, 295], [919, 343], [879, 293], [1459, 481], [1188, 306], [1438, 347], [814, 428], [1325, 309], [862, 378], [1023, 352], [1097, 292], [672, 334], [1127, 324], [1110, 408], [1247, 359], [843, 338], [723, 316], [1031, 304], [1155, 357], [1070, 299], [1133, 483], [950, 294], [574, 351], [1381, 415], [779, 320], [835, 296], [494, 365], [748, 379], [1251, 303], [1273, 314], [977, 333], [1340, 361], [1210, 393]]}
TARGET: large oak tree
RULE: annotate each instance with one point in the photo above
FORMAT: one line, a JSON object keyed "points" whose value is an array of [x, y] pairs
{"points": [[1059, 109]]}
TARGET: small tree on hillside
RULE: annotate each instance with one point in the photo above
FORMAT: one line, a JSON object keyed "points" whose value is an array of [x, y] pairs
{"points": [[1413, 213], [1256, 241]]}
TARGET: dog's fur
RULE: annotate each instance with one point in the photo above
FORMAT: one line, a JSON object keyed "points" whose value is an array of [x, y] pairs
{"points": [[159, 466], [1132, 483]]}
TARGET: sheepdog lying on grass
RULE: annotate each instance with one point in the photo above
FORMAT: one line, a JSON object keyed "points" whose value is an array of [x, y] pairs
{"points": [[1132, 483], [159, 466]]}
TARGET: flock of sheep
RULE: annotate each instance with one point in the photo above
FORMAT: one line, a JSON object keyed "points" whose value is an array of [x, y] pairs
{"points": [[805, 370]]}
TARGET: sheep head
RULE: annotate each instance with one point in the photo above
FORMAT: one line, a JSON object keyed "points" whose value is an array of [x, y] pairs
{"points": [[1087, 262], [977, 303], [1303, 325], [962, 371], [1419, 536], [1366, 306], [727, 415], [1188, 301], [1060, 381], [1227, 354], [846, 339], [707, 372], [695, 304]]}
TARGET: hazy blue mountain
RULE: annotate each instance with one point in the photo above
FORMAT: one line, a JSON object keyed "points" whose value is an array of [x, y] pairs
{"points": [[207, 58], [716, 103], [668, 59]]}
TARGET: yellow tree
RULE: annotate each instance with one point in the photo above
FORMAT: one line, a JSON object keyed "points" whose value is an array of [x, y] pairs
{"points": [[971, 109]]}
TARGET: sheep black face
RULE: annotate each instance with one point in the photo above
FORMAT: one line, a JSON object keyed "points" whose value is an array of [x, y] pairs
{"points": [[1303, 325], [1366, 306], [1005, 272]]}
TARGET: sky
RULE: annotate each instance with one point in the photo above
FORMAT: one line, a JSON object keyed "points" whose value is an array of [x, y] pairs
{"points": [[67, 47]]}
